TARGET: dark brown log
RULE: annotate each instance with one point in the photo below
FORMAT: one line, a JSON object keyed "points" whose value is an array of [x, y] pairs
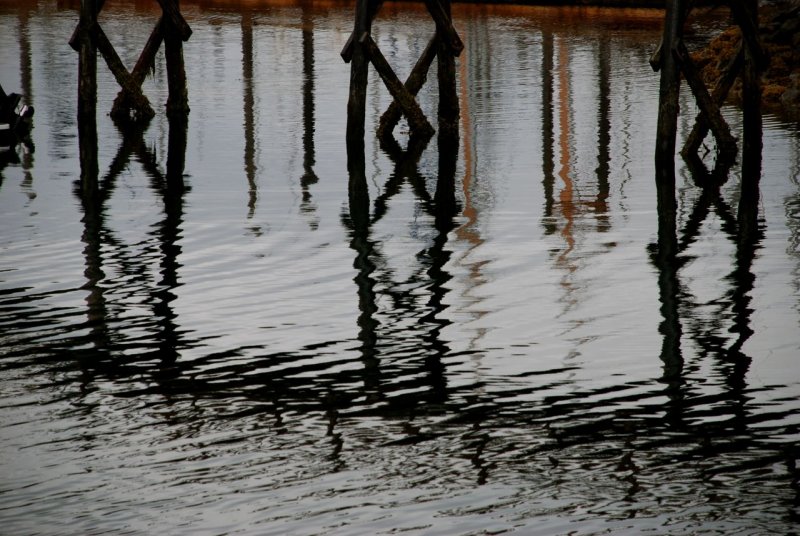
{"points": [[406, 101], [720, 92], [708, 107], [416, 79]]}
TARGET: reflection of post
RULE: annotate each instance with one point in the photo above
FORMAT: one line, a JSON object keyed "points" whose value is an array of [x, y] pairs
{"points": [[603, 135], [249, 109], [168, 234], [548, 139], [93, 219], [665, 259], [309, 177], [25, 54], [362, 245], [566, 196], [446, 209]]}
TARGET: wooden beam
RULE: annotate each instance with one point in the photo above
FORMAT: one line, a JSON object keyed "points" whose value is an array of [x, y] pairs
{"points": [[123, 77], [178, 99], [720, 92], [416, 79], [722, 132], [357, 98], [74, 38], [402, 97]]}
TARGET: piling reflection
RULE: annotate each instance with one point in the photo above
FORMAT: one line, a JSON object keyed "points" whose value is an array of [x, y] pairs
{"points": [[680, 309], [391, 365], [373, 396], [566, 211], [309, 157], [117, 273], [249, 104]]}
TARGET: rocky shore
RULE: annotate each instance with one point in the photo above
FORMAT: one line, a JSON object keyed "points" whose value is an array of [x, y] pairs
{"points": [[780, 36]]}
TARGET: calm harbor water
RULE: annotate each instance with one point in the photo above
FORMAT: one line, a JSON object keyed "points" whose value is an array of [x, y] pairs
{"points": [[222, 340]]}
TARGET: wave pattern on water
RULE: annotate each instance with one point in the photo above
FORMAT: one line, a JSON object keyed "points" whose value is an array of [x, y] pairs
{"points": [[230, 331]]}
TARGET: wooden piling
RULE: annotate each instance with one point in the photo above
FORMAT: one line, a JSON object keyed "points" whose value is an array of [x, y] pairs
{"points": [[131, 105], [718, 95], [359, 74], [669, 90], [752, 126], [449, 46], [87, 62], [416, 79], [177, 32]]}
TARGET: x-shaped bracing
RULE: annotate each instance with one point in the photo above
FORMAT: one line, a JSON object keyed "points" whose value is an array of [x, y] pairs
{"points": [[710, 117], [444, 41], [131, 104]]}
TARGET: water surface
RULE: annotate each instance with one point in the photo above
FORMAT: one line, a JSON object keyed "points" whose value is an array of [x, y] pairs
{"points": [[221, 339]]}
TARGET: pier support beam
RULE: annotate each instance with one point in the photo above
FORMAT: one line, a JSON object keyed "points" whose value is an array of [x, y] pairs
{"points": [[361, 50], [131, 105], [673, 60]]}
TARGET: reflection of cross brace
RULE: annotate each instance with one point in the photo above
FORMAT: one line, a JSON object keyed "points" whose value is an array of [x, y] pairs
{"points": [[131, 103], [445, 43], [405, 170]]}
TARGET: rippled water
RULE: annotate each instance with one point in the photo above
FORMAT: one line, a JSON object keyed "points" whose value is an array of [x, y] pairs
{"points": [[222, 340]]}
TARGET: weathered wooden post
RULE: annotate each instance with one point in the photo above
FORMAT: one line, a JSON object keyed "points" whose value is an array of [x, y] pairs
{"points": [[87, 100], [361, 49], [359, 73], [177, 32], [751, 107], [669, 90], [87, 61], [446, 73], [131, 105]]}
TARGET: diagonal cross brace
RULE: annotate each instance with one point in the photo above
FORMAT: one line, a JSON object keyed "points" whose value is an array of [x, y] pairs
{"points": [[416, 79], [404, 99], [721, 90], [725, 140]]}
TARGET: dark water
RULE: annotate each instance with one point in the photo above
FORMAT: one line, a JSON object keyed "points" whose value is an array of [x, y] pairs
{"points": [[223, 340]]}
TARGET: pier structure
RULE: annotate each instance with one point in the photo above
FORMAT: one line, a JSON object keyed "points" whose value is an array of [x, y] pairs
{"points": [[361, 50], [674, 61], [131, 104]]}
